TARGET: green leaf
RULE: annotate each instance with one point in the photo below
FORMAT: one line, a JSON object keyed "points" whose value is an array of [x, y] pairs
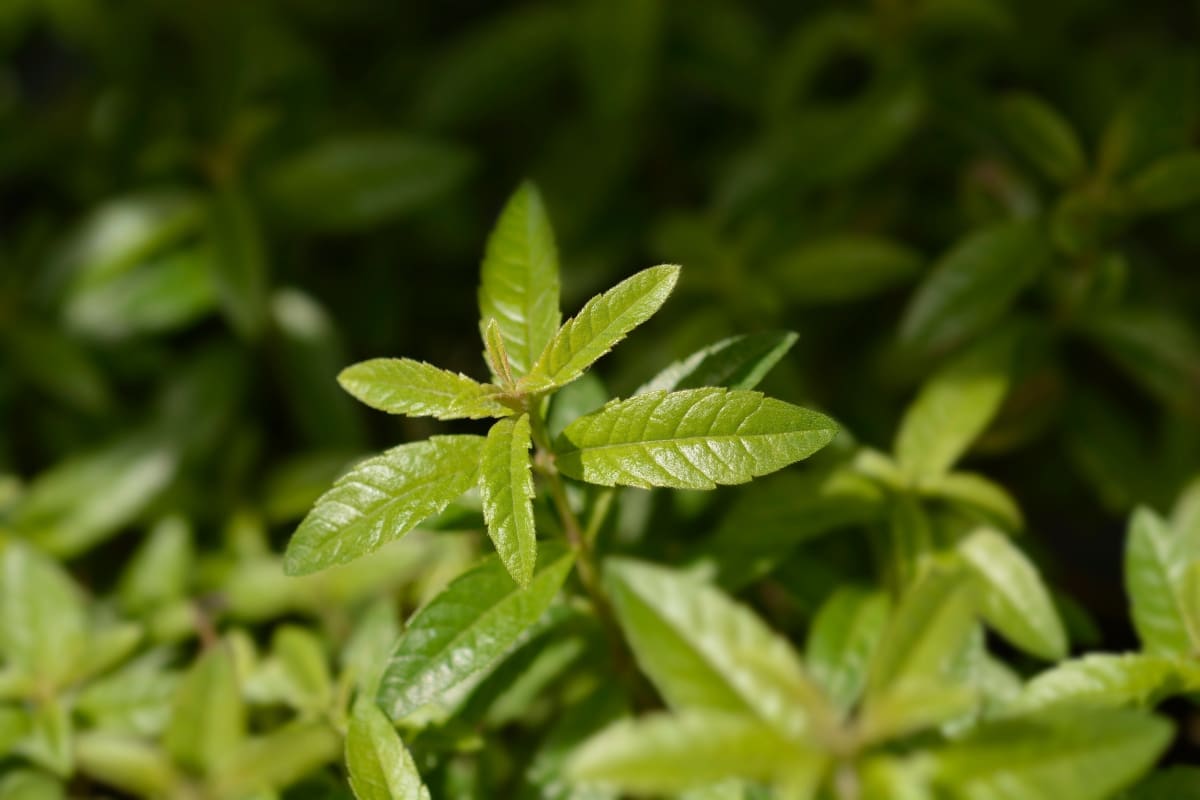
{"points": [[302, 662], [842, 640], [1167, 184], [134, 699], [519, 279], [1043, 137], [506, 488], [356, 182], [843, 268], [1153, 579], [208, 718], [1108, 679], [913, 708], [381, 499], [663, 752], [239, 261], [702, 650], [264, 765], [161, 568], [690, 439], [1083, 754], [465, 630], [925, 636], [603, 321], [28, 784], [88, 497], [1173, 783], [1015, 600], [43, 631], [126, 763], [367, 650], [163, 295], [417, 389], [973, 286], [54, 363], [1158, 349], [379, 765], [979, 495], [738, 362], [954, 406], [50, 743]]}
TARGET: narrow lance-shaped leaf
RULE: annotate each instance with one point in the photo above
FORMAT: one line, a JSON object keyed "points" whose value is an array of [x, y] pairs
{"points": [[42, 617], [417, 389], [974, 285], [1110, 679], [1083, 754], [473, 623], [1043, 136], [1153, 579], [519, 288], [738, 362], [842, 640], [954, 406], [691, 439], [603, 321], [1015, 600], [208, 719], [379, 764], [381, 499], [664, 753], [506, 488], [704, 651]]}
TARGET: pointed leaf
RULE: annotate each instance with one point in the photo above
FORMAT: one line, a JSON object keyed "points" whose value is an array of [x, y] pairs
{"points": [[506, 488], [842, 268], [690, 439], [1167, 184], [974, 285], [954, 406], [1109, 679], [1082, 754], [42, 617], [1042, 136], [674, 752], [417, 389], [1153, 579], [126, 763], [519, 279], [738, 362], [239, 260], [1015, 599], [842, 641], [603, 321], [980, 495], [161, 569], [473, 623], [927, 633], [263, 765], [702, 650], [379, 764], [381, 499], [208, 719]]}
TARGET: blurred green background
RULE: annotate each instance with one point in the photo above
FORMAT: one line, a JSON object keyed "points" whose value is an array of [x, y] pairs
{"points": [[208, 207]]}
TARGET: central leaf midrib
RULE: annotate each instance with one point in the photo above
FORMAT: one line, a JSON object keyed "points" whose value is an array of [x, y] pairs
{"points": [[697, 439]]}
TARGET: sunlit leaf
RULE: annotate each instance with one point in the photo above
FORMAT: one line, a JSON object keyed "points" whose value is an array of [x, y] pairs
{"points": [[380, 766], [43, 631], [506, 488], [1109, 679], [842, 641], [208, 717], [1153, 579], [690, 439]]}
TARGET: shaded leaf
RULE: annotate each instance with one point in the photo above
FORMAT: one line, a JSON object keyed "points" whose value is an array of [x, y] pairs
{"points": [[1043, 137], [208, 717], [381, 499], [1167, 184], [239, 260], [738, 362], [473, 623], [690, 439], [843, 268], [973, 285], [842, 640]]}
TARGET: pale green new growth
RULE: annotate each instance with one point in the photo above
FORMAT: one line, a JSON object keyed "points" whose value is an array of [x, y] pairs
{"points": [[1109, 679], [478, 618], [603, 321], [417, 389], [519, 286], [381, 499], [208, 718], [691, 439], [663, 753], [702, 650], [843, 639], [379, 764], [1015, 600], [506, 488], [1154, 577]]}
